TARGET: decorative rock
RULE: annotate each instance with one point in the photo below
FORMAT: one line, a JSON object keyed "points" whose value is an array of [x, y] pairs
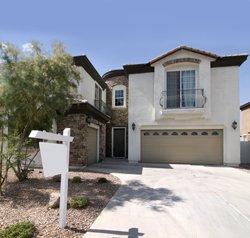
{"points": [[54, 200], [57, 178]]}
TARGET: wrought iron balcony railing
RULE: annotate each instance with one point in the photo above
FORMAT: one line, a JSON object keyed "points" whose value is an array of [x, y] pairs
{"points": [[103, 107], [179, 99]]}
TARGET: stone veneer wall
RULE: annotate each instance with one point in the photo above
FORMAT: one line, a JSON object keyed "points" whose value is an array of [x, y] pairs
{"points": [[119, 116], [79, 126]]}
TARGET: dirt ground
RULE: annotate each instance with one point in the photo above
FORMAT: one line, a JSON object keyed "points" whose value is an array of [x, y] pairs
{"points": [[28, 200]]}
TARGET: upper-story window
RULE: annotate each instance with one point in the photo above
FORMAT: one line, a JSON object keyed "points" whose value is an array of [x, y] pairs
{"points": [[181, 89], [119, 96], [98, 96]]}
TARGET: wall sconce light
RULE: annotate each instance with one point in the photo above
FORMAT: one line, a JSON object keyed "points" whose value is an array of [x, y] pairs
{"points": [[234, 125], [133, 126]]}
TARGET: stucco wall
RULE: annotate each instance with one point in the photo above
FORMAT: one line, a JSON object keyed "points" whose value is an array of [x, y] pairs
{"points": [[86, 87], [203, 74], [141, 109], [225, 109], [221, 86]]}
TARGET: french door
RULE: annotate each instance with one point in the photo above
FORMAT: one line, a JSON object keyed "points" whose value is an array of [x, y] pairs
{"points": [[181, 92]]}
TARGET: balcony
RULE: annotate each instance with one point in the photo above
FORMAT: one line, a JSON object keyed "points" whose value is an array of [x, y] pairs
{"points": [[103, 107], [186, 102]]}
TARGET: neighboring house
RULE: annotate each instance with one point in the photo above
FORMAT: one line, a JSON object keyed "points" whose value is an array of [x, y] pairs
{"points": [[88, 116], [245, 122], [183, 107]]}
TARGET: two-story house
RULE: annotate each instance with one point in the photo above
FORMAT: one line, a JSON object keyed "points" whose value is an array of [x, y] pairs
{"points": [[87, 117], [183, 107]]}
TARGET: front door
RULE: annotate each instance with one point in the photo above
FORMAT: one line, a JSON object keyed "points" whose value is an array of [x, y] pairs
{"points": [[119, 142]]}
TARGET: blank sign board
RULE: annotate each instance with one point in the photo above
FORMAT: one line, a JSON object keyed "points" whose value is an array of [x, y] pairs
{"points": [[54, 158]]}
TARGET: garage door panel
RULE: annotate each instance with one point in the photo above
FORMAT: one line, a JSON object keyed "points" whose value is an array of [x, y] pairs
{"points": [[203, 148]]}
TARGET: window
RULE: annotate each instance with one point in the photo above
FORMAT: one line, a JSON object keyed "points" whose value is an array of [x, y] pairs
{"points": [[119, 96], [181, 90], [174, 133], [215, 133], [204, 133], [98, 97]]}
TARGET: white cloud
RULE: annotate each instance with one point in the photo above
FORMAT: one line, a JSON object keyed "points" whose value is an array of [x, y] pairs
{"points": [[27, 47]]}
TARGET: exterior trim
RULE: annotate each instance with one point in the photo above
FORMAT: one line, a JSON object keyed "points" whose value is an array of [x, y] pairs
{"points": [[245, 106], [94, 126], [114, 73], [224, 61], [181, 60], [112, 140], [138, 68], [183, 47], [83, 61]]}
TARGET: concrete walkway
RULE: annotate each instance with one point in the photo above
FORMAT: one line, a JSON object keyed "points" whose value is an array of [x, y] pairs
{"points": [[176, 201]]}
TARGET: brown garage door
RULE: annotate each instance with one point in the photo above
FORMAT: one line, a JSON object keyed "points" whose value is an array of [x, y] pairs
{"points": [[92, 145], [182, 146]]}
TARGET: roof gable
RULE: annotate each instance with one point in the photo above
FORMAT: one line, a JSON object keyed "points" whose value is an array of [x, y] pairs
{"points": [[194, 50]]}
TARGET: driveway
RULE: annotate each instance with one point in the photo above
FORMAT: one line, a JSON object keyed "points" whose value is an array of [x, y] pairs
{"points": [[177, 201]]}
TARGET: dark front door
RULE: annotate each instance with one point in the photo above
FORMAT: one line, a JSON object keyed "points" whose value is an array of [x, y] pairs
{"points": [[119, 142]]}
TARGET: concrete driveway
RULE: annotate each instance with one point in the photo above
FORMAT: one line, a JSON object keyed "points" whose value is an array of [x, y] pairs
{"points": [[177, 201]]}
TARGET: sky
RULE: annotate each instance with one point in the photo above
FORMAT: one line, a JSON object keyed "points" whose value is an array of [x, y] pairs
{"points": [[115, 32]]}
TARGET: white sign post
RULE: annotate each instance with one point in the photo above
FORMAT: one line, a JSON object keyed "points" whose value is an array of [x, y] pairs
{"points": [[55, 160]]}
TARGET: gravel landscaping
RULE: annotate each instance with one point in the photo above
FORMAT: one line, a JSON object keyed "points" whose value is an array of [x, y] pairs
{"points": [[29, 201]]}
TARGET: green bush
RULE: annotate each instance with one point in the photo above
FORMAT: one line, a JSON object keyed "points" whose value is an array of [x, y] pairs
{"points": [[102, 180], [78, 202], [76, 179], [57, 178], [24, 229]]}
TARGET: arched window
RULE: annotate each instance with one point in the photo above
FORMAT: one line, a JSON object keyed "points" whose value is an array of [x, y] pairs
{"points": [[194, 133], [155, 133], [164, 133], [119, 96], [184, 133], [146, 134]]}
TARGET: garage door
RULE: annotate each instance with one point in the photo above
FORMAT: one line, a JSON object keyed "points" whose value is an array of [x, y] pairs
{"points": [[182, 146], [92, 145]]}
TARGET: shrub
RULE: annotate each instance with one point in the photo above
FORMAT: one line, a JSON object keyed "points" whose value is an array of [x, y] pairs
{"points": [[102, 180], [78, 202], [24, 229], [76, 179], [57, 178]]}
